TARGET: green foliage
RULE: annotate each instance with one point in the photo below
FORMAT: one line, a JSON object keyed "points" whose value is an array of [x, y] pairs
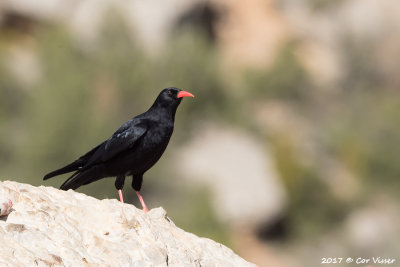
{"points": [[12, 99], [367, 139], [286, 79], [312, 208], [322, 5], [198, 206], [357, 124]]}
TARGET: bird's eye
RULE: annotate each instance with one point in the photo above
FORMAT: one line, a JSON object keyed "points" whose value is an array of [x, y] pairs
{"points": [[169, 92]]}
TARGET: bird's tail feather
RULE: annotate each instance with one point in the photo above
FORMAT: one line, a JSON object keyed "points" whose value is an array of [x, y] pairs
{"points": [[74, 166], [82, 178]]}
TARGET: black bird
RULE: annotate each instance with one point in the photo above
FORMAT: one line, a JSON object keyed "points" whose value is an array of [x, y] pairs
{"points": [[132, 150]]}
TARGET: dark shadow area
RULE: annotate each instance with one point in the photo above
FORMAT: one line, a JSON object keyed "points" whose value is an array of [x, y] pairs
{"points": [[276, 231], [5, 217], [203, 17]]}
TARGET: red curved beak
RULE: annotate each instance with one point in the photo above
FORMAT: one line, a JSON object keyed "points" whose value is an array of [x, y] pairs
{"points": [[184, 94]]}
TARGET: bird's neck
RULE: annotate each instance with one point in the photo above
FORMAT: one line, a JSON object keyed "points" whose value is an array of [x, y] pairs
{"points": [[162, 113]]}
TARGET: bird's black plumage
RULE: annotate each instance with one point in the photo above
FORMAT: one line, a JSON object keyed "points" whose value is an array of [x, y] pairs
{"points": [[132, 150]]}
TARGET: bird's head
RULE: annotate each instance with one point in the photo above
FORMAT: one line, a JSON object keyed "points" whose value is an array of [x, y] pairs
{"points": [[171, 97]]}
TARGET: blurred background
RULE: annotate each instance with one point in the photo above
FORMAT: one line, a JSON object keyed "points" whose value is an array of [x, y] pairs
{"points": [[288, 154]]}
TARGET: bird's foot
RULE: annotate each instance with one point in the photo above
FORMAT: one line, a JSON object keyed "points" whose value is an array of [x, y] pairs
{"points": [[145, 209], [121, 197]]}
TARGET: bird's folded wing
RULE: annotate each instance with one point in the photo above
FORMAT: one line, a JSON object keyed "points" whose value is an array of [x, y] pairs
{"points": [[123, 139]]}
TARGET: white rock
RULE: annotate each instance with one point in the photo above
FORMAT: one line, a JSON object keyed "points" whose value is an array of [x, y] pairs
{"points": [[48, 226], [374, 228]]}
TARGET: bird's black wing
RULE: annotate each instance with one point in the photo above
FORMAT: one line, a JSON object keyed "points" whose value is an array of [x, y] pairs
{"points": [[123, 139]]}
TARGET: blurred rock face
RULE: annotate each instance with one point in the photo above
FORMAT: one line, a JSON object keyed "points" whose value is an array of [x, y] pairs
{"points": [[238, 170], [374, 227], [52, 227], [250, 33]]}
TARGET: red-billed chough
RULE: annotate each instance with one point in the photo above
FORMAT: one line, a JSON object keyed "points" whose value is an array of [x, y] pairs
{"points": [[132, 150]]}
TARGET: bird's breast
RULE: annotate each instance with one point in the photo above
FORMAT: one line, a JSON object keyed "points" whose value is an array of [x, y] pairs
{"points": [[151, 148]]}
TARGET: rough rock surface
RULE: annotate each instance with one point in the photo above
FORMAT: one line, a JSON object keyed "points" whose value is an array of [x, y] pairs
{"points": [[49, 227]]}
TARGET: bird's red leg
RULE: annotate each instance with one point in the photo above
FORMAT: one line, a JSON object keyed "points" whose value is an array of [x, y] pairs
{"points": [[121, 198], [145, 209]]}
